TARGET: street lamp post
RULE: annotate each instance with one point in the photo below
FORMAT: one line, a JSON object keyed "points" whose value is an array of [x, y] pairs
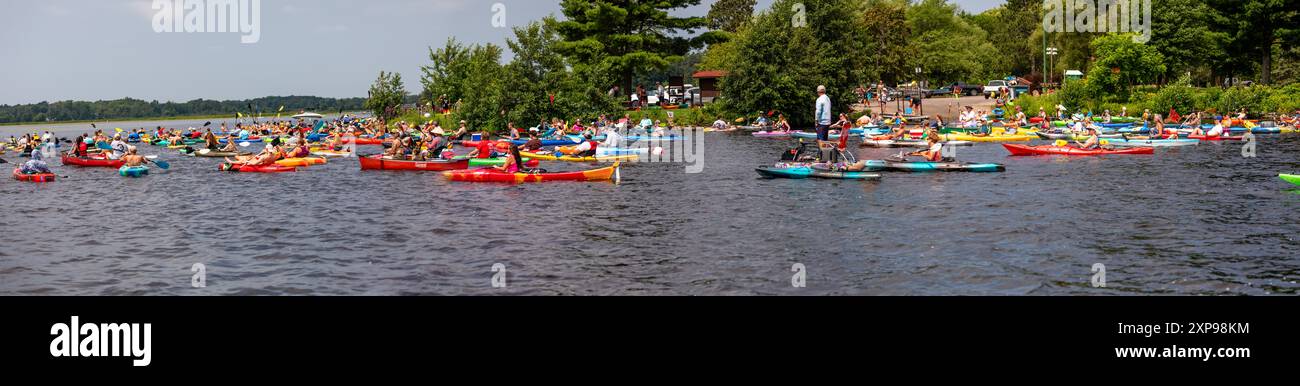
{"points": [[1052, 52]]}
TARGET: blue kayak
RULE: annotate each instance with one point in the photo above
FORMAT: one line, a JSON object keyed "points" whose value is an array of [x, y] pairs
{"points": [[881, 165], [805, 172], [133, 171], [549, 142]]}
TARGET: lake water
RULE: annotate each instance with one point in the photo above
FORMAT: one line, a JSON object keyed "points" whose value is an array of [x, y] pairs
{"points": [[1196, 220]]}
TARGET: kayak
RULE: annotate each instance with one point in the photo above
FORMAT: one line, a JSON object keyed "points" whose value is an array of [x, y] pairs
{"points": [[1294, 179], [552, 157], [807, 135], [331, 153], [218, 154], [494, 175], [804, 172], [41, 177], [1022, 150], [301, 162], [257, 169], [486, 162], [92, 162], [1120, 142], [1218, 138], [991, 138], [915, 144], [881, 165], [771, 134], [378, 162], [602, 151], [133, 171]]}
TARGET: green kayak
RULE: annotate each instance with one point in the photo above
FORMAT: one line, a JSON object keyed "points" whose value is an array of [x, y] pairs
{"points": [[1292, 178], [484, 162]]}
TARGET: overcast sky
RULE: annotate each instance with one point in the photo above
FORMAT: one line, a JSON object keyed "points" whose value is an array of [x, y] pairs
{"points": [[54, 50]]}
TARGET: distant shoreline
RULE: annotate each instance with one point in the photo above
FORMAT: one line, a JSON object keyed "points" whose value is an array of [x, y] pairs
{"points": [[171, 118]]}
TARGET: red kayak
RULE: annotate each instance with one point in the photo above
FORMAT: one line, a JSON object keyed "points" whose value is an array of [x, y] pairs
{"points": [[257, 169], [368, 141], [44, 177], [378, 162], [1022, 150], [1218, 138], [93, 162], [494, 175]]}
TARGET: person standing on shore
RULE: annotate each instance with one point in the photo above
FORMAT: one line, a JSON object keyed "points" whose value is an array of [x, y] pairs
{"points": [[822, 114]]}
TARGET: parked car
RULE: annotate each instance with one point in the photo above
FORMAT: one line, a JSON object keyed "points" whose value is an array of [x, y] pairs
{"points": [[910, 92], [991, 90], [967, 89]]}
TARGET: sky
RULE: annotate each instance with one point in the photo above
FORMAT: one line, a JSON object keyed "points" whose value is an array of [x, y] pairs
{"points": [[54, 50]]}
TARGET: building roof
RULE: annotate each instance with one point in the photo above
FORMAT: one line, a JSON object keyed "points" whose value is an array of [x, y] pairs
{"points": [[1074, 73], [710, 74]]}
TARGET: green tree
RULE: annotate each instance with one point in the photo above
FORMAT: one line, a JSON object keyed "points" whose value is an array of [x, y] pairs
{"points": [[386, 95], [788, 51], [539, 84], [629, 37], [886, 33], [1256, 28], [1181, 30], [948, 47], [1123, 63], [1010, 28], [730, 15]]}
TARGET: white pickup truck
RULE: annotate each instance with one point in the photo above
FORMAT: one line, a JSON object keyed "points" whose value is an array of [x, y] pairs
{"points": [[994, 86]]}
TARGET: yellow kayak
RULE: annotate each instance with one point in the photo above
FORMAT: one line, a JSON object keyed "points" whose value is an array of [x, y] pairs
{"points": [[991, 138], [565, 158], [301, 162]]}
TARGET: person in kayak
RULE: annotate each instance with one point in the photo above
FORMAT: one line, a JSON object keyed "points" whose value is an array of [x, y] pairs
{"points": [[119, 147], [587, 148], [131, 158], [484, 148], [433, 145], [80, 148], [513, 160], [1092, 141], [934, 153], [534, 143], [35, 165], [843, 124], [781, 125], [301, 150], [268, 156]]}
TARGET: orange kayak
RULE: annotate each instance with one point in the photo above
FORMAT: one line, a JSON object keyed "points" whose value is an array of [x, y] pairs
{"points": [[301, 162], [494, 175]]}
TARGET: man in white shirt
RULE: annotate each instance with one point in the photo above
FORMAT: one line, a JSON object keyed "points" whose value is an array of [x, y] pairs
{"points": [[823, 114]]}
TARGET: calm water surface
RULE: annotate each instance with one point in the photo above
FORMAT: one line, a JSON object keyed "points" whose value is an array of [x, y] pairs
{"points": [[1197, 220]]}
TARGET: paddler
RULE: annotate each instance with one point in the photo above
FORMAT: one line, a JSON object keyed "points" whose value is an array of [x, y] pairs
{"points": [[210, 140], [513, 160], [1092, 142], [587, 148], [534, 143], [433, 145], [934, 153], [35, 165], [119, 147], [132, 159], [484, 148]]}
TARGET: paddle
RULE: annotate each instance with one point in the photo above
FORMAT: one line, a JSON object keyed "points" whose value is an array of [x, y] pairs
{"points": [[161, 164]]}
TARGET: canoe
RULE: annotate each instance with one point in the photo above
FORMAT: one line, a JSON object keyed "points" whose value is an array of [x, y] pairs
{"points": [[882, 165], [133, 171], [257, 169], [1218, 138], [494, 175], [42, 177], [377, 162], [804, 172], [1022, 150], [301, 162], [991, 138], [92, 162], [1120, 142], [552, 157], [1294, 179]]}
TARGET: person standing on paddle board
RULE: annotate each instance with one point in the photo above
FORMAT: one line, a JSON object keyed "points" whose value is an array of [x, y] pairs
{"points": [[822, 114]]}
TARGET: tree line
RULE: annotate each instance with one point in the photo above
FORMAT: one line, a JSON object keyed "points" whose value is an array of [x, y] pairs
{"points": [[586, 61], [128, 108]]}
